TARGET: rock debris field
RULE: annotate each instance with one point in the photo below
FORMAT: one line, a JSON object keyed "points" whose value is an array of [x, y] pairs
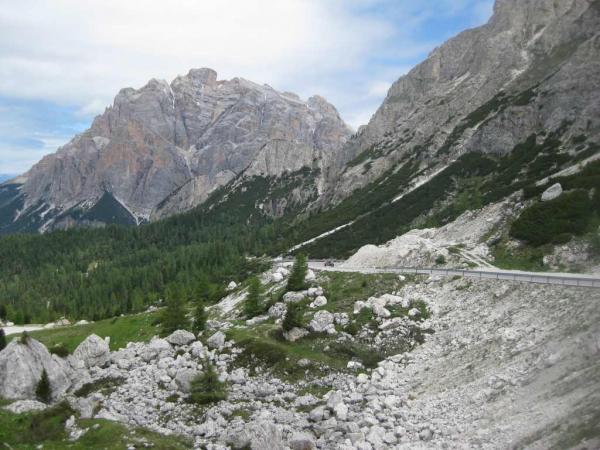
{"points": [[502, 365]]}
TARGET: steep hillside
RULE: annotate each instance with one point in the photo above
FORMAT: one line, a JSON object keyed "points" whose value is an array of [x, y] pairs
{"points": [[164, 148], [510, 106], [532, 68]]}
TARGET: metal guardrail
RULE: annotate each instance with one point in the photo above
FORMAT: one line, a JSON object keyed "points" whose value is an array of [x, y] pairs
{"points": [[538, 278]]}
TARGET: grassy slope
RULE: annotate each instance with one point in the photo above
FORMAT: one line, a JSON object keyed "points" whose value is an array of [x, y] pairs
{"points": [[137, 327], [264, 345], [27, 431]]}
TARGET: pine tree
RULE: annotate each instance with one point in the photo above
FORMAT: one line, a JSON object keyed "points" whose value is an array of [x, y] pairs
{"points": [[200, 317], [296, 281], [203, 290], [253, 304], [43, 391], [174, 316], [2, 339], [207, 388], [294, 316]]}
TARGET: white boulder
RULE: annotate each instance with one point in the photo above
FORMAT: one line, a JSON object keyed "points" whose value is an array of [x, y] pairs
{"points": [[277, 311], [293, 297], [184, 378], [276, 277], [231, 286], [552, 192], [156, 348], [180, 337], [320, 301], [294, 334], [259, 436], [283, 271], [322, 322], [21, 366], [23, 406], [217, 340], [301, 441], [310, 275], [358, 306], [93, 351]]}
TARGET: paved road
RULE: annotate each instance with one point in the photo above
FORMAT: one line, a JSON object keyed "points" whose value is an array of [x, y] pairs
{"points": [[564, 279]]}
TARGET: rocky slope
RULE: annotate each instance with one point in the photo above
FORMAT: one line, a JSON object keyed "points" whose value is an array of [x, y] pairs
{"points": [[164, 148], [532, 69], [484, 371]]}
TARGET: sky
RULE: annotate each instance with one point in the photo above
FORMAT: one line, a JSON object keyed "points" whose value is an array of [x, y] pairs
{"points": [[63, 61]]}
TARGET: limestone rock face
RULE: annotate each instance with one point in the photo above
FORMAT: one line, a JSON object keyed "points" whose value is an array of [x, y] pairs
{"points": [[163, 148], [533, 68], [93, 351], [21, 367]]}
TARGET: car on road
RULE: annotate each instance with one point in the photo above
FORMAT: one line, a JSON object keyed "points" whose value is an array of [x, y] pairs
{"points": [[329, 263]]}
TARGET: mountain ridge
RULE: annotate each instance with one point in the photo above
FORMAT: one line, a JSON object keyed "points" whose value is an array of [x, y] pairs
{"points": [[172, 144]]}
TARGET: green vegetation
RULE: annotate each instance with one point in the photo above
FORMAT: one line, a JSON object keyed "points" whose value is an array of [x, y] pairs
{"points": [[556, 221], [296, 280], [294, 316], [244, 414], [59, 350], [253, 305], [133, 328], [104, 385], [207, 388], [174, 315], [104, 272], [2, 339], [200, 317], [352, 351], [263, 344], [363, 318], [43, 392], [342, 289], [47, 429]]}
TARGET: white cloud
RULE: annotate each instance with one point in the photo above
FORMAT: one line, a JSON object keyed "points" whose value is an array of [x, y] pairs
{"points": [[83, 52], [80, 53]]}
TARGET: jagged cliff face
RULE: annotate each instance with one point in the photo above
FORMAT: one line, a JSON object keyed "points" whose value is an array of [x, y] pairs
{"points": [[534, 68], [164, 148]]}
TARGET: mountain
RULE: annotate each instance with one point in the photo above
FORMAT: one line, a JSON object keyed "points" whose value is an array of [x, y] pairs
{"points": [[533, 68], [505, 109], [164, 148]]}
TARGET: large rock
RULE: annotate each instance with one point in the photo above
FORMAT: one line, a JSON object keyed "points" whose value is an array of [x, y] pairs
{"points": [[293, 297], [260, 436], [302, 441], [21, 366], [180, 337], [93, 351], [156, 348], [184, 378], [552, 192], [24, 406], [322, 322], [294, 334], [277, 311], [217, 340]]}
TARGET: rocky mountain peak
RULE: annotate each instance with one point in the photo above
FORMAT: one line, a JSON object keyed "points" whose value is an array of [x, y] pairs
{"points": [[163, 148], [202, 76]]}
